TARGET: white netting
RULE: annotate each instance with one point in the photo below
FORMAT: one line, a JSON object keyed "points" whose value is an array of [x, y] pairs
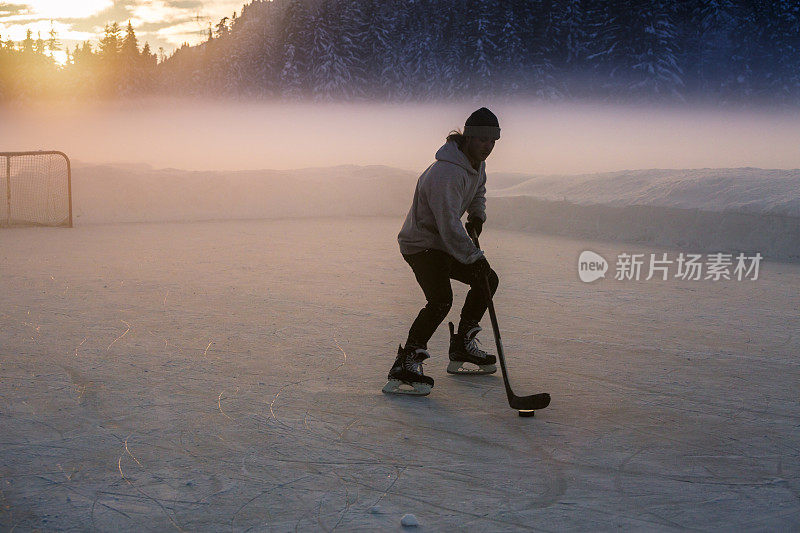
{"points": [[35, 189]]}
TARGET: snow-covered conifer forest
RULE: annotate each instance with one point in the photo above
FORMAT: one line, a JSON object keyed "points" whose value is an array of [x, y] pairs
{"points": [[722, 51]]}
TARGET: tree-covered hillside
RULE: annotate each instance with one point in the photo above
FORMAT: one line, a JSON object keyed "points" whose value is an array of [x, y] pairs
{"points": [[726, 51]]}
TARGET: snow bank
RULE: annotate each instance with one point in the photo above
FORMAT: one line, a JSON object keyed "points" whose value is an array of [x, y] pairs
{"points": [[748, 190], [691, 230], [747, 210], [705, 210], [138, 193]]}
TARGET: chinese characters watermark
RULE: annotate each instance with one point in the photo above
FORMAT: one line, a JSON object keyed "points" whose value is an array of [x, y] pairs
{"points": [[686, 266]]}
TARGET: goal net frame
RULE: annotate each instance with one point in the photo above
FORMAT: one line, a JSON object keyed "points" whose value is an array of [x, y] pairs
{"points": [[5, 172]]}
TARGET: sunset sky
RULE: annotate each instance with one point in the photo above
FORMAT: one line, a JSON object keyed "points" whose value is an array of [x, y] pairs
{"points": [[166, 23]]}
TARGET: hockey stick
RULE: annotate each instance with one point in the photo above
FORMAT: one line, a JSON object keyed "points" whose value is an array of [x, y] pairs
{"points": [[524, 404]]}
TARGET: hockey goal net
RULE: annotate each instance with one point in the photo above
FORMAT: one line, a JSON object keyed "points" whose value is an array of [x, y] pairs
{"points": [[35, 189]]}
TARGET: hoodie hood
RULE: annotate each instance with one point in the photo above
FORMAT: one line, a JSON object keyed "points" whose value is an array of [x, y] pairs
{"points": [[450, 153]]}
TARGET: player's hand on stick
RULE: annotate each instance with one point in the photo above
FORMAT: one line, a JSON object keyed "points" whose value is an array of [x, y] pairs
{"points": [[474, 226]]}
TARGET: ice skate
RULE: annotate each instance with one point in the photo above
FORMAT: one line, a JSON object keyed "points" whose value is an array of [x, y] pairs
{"points": [[466, 357], [406, 375]]}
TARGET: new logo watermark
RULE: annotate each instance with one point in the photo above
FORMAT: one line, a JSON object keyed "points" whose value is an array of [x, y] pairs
{"points": [[591, 266], [687, 267]]}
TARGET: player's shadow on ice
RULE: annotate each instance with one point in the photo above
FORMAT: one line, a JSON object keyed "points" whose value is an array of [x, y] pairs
{"points": [[415, 412], [449, 396]]}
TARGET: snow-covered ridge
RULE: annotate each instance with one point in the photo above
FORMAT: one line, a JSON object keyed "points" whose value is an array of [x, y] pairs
{"points": [[748, 190], [139, 193], [699, 210]]}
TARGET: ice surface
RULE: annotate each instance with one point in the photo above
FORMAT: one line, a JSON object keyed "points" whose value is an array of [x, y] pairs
{"points": [[226, 376]]}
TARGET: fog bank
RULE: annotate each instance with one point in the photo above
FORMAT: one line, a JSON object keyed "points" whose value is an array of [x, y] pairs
{"points": [[537, 138]]}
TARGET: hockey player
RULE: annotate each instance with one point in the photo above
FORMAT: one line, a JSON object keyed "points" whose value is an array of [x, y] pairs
{"points": [[438, 248]]}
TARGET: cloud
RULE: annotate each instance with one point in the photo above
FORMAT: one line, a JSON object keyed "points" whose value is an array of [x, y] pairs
{"points": [[156, 12], [54, 9], [185, 4], [187, 32], [64, 31], [13, 9]]}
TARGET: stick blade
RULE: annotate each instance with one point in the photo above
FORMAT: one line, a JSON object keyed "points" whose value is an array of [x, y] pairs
{"points": [[529, 403]]}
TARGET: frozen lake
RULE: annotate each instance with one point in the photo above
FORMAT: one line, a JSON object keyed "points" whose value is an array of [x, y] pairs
{"points": [[226, 376]]}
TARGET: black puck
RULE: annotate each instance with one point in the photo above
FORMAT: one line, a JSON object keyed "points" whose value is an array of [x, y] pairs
{"points": [[527, 413]]}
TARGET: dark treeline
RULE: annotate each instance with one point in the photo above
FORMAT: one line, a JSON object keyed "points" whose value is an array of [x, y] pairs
{"points": [[727, 51], [722, 50]]}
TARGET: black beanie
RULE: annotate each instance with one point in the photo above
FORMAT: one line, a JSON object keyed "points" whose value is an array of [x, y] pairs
{"points": [[482, 123]]}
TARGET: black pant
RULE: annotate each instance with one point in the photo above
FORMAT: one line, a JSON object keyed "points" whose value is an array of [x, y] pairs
{"points": [[434, 269]]}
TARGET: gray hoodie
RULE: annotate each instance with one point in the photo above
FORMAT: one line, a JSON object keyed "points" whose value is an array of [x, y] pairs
{"points": [[447, 189]]}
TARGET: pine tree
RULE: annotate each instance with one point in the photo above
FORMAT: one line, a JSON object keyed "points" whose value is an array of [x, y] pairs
{"points": [[768, 46], [148, 58], [267, 61], [39, 44], [130, 44], [717, 23], [352, 38], [53, 43], [374, 40], [222, 29], [27, 44], [787, 51], [329, 68], [536, 28], [412, 52], [428, 60], [451, 48], [510, 50], [85, 70], [387, 39], [111, 42], [130, 62], [654, 67], [290, 84], [640, 50], [295, 43], [481, 47], [572, 31], [110, 65]]}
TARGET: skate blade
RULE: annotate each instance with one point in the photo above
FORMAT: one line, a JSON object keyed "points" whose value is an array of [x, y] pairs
{"points": [[463, 367], [395, 386]]}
